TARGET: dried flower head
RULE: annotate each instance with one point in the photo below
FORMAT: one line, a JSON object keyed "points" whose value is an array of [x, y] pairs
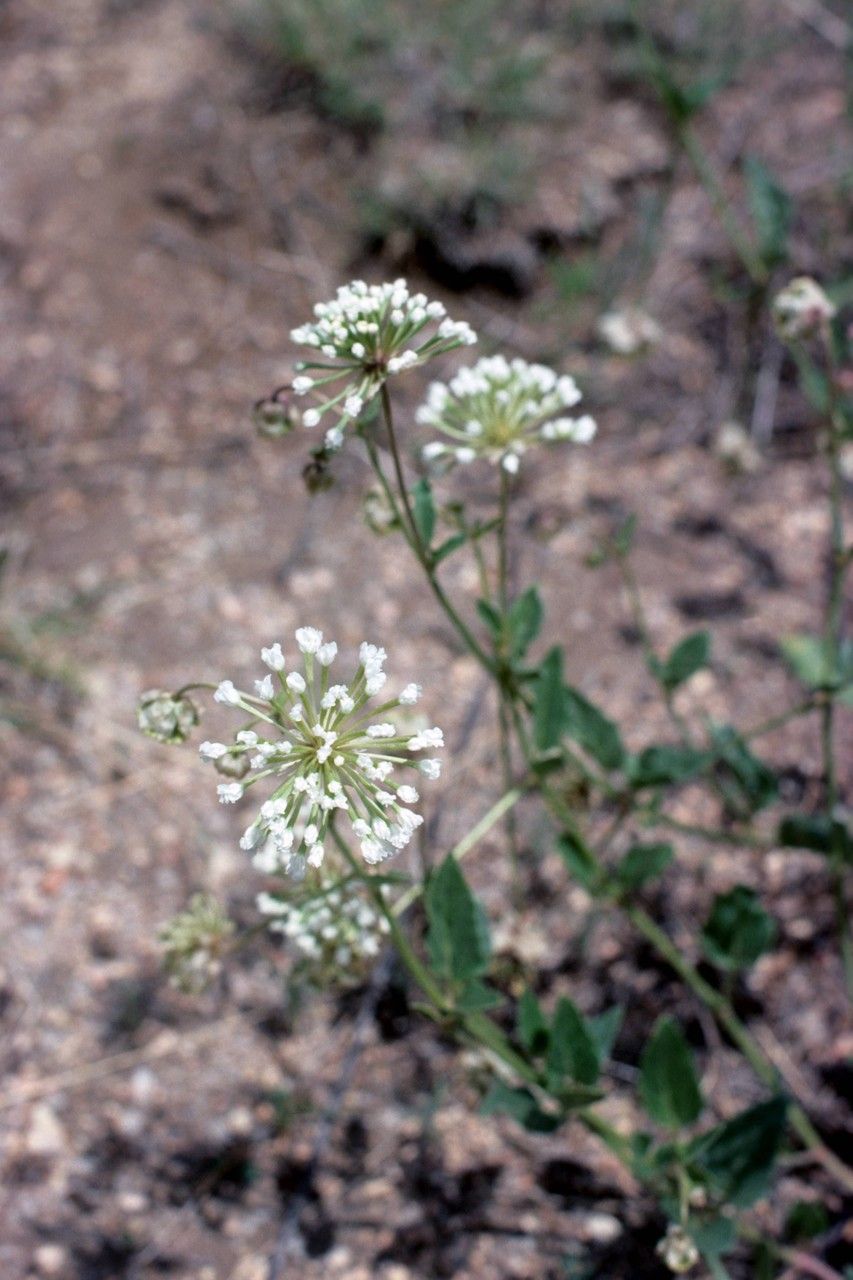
{"points": [[325, 753], [167, 717], [678, 1250], [802, 310], [194, 941], [336, 930], [362, 337], [496, 409]]}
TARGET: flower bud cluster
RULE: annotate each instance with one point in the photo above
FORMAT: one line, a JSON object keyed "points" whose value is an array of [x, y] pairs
{"points": [[325, 754], [363, 336], [166, 717], [335, 930], [678, 1250], [193, 943], [496, 409]]}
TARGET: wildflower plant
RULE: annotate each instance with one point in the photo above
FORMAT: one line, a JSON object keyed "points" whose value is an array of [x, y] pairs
{"points": [[338, 766]]}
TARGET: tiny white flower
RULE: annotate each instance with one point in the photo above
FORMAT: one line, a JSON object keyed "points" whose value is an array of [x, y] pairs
{"points": [[408, 795], [229, 792], [264, 688], [212, 750], [430, 769], [273, 657], [410, 695], [226, 693], [327, 653], [309, 639], [296, 682], [302, 385], [381, 731]]}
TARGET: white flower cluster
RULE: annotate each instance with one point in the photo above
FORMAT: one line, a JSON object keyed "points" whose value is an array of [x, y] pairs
{"points": [[678, 1250], [362, 337], [326, 753], [629, 331], [802, 309], [338, 932], [497, 408]]}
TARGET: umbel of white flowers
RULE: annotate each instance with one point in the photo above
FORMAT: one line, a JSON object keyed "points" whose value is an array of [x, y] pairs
{"points": [[362, 337], [802, 309], [324, 753], [336, 931], [497, 408]]}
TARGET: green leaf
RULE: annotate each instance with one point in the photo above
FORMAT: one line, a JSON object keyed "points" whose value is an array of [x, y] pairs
{"points": [[604, 1028], [571, 1050], [771, 210], [585, 724], [747, 783], [532, 1025], [806, 1218], [737, 1157], [521, 1105], [643, 862], [491, 617], [458, 939], [658, 766], [524, 621], [738, 930], [549, 702], [669, 1086], [478, 996], [818, 832], [816, 664], [579, 861], [689, 656], [451, 544], [714, 1238], [423, 509]]}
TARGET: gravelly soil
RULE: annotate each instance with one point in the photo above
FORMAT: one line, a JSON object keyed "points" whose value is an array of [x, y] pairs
{"points": [[145, 299]]}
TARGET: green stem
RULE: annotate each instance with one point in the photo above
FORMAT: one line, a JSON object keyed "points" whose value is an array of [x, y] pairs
{"points": [[736, 839], [466, 844], [504, 694], [641, 624], [413, 537], [778, 721], [406, 951], [833, 641], [695, 152]]}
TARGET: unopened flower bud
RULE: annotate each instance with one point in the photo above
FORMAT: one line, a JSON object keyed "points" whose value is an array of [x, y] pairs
{"points": [[276, 415], [167, 717], [233, 764]]}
